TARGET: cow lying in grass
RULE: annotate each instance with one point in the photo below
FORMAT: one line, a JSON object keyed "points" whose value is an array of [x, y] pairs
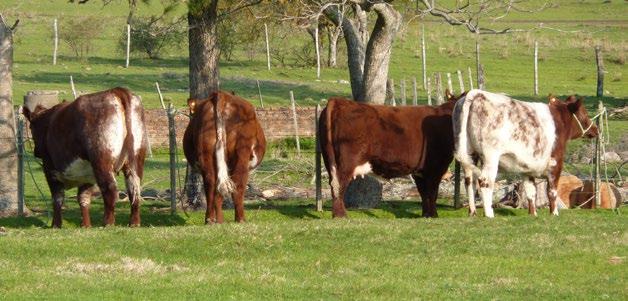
{"points": [[493, 130], [86, 142], [357, 139]]}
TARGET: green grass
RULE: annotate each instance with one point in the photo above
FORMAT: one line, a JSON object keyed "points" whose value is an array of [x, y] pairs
{"points": [[286, 250]]}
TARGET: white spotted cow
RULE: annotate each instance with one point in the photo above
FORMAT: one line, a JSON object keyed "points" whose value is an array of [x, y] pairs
{"points": [[85, 142], [493, 131]]}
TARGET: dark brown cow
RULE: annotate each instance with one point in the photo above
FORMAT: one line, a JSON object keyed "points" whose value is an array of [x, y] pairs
{"points": [[86, 142], [223, 141], [357, 139]]}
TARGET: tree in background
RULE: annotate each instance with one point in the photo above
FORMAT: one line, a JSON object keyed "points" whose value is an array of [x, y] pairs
{"points": [[8, 150]]}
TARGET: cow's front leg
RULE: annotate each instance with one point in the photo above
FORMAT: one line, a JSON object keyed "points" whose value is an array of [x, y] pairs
{"points": [[552, 187], [486, 181], [530, 190], [84, 198], [428, 189]]}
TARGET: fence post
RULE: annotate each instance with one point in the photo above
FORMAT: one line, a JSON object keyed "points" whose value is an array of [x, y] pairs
{"points": [[317, 162], [598, 153], [72, 85], [56, 42], [296, 125], [403, 92], [172, 143], [128, 44], [423, 59], [477, 59], [457, 201], [536, 68], [20, 165], [259, 91], [318, 54], [480, 77], [415, 96], [450, 86], [460, 81], [267, 46], [600, 71], [470, 79], [439, 88], [429, 92]]}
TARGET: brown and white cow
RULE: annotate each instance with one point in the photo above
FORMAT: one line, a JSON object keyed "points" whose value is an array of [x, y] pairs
{"points": [[223, 141], [358, 138], [85, 143], [495, 131]]}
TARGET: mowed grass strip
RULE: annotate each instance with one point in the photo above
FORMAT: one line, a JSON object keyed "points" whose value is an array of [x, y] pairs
{"points": [[278, 255]]}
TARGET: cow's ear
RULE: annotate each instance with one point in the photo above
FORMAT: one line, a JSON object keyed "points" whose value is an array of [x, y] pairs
{"points": [[574, 104], [191, 105], [27, 113], [552, 99]]}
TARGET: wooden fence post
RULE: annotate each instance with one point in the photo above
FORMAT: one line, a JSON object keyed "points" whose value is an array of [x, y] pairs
{"points": [[460, 81], [72, 85], [403, 92], [439, 88], [172, 143], [536, 68], [415, 96], [317, 163], [480, 77], [600, 71], [470, 79], [56, 42], [429, 92], [259, 91], [296, 125], [423, 59], [318, 55], [450, 86], [128, 44], [267, 46], [598, 154], [20, 163]]}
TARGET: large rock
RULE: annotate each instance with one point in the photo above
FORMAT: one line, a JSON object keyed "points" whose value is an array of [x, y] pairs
{"points": [[566, 185], [584, 196], [363, 193], [611, 157]]}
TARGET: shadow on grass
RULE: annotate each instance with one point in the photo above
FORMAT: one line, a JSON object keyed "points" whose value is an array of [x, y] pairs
{"points": [[291, 209]]}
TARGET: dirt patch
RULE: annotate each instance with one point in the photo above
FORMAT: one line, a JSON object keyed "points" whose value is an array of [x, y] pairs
{"points": [[125, 265]]}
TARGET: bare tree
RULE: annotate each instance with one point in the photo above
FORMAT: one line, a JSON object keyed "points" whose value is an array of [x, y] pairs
{"points": [[8, 150]]}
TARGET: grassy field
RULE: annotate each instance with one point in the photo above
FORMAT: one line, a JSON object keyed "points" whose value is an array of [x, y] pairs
{"points": [[289, 251]]}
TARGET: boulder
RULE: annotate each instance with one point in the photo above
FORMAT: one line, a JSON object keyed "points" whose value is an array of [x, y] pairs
{"points": [[363, 193], [584, 196], [611, 157]]}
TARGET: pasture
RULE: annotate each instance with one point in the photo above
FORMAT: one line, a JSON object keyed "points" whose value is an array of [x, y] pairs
{"points": [[288, 250]]}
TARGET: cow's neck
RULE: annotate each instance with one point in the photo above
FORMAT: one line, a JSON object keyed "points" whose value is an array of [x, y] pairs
{"points": [[564, 131]]}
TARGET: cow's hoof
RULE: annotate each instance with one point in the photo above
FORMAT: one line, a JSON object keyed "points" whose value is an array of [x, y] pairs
{"points": [[134, 225], [473, 214], [86, 225]]}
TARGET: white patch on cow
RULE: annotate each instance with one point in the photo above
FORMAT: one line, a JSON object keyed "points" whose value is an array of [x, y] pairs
{"points": [[134, 187], [555, 212], [76, 173], [225, 184], [113, 130], [552, 162], [553, 193], [362, 170], [253, 162], [335, 184], [85, 201], [137, 126]]}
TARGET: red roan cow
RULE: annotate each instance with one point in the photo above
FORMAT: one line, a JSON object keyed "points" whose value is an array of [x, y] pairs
{"points": [[493, 130], [223, 141], [86, 142], [357, 139]]}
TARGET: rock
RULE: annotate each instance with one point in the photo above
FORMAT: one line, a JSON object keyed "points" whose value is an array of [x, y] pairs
{"points": [[623, 155], [342, 81], [566, 185], [363, 193], [611, 196], [611, 157], [274, 194], [150, 193]]}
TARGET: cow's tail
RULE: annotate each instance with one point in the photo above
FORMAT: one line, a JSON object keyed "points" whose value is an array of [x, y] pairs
{"points": [[134, 171], [461, 112], [327, 146], [225, 184]]}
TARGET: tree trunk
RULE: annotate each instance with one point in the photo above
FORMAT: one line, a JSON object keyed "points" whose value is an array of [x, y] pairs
{"points": [[333, 33], [8, 150], [368, 63], [204, 75]]}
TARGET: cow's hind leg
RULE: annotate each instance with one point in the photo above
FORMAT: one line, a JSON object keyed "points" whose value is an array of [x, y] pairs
{"points": [[470, 187], [84, 197], [240, 176], [209, 183], [108, 187], [428, 189], [134, 189], [486, 181], [530, 190]]}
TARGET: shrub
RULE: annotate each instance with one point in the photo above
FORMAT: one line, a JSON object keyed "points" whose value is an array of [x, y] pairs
{"points": [[79, 33], [151, 35]]}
